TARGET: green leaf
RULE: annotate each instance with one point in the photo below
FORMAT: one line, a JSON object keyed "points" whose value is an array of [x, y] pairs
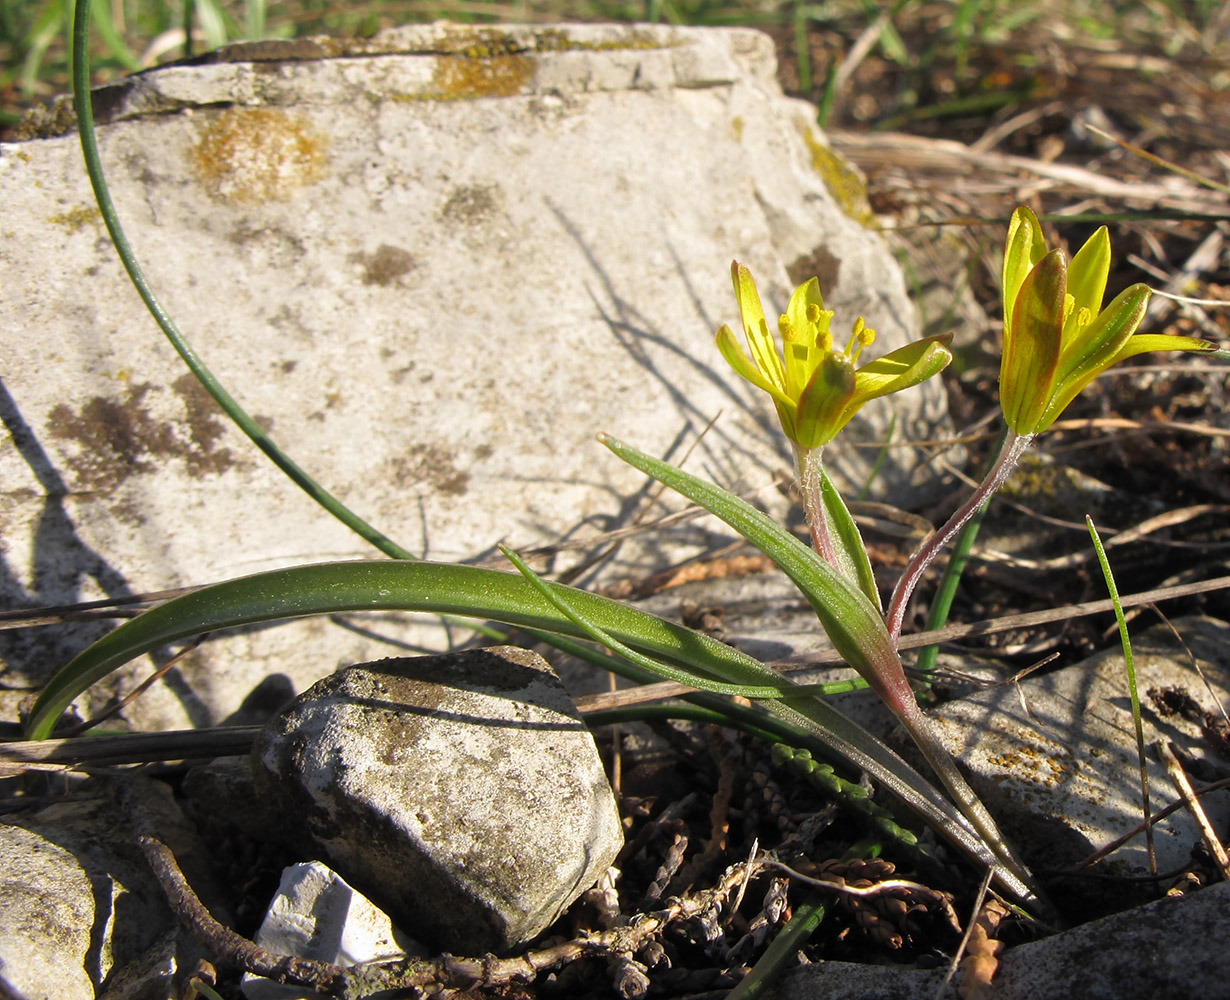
{"points": [[858, 632], [488, 594], [332, 588], [847, 541]]}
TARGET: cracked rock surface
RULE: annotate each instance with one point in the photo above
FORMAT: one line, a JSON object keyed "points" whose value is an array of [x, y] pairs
{"points": [[460, 792]]}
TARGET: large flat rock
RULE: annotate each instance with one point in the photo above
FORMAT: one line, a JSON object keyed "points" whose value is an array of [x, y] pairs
{"points": [[433, 265]]}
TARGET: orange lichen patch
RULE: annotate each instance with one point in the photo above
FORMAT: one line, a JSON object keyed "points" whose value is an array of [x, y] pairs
{"points": [[465, 77], [258, 154], [75, 218]]}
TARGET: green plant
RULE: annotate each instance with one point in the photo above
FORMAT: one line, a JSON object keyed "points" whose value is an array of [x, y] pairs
{"points": [[1053, 347]]}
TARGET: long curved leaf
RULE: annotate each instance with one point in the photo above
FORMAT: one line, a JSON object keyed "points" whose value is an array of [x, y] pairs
{"points": [[490, 594], [858, 632], [332, 588]]}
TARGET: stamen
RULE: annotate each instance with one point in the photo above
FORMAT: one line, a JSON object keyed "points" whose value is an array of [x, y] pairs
{"points": [[861, 336]]}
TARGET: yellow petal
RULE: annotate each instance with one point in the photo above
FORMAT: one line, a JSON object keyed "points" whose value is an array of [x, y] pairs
{"points": [[1025, 246], [1087, 282], [729, 346], [1093, 349], [803, 343], [903, 368], [1031, 344], [759, 340]]}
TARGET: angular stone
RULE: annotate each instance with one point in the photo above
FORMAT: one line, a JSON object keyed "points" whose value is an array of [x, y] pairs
{"points": [[461, 792], [1054, 757], [316, 915], [46, 916], [433, 264], [79, 908]]}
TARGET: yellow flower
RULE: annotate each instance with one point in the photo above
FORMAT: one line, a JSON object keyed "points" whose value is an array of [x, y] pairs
{"points": [[1057, 336], [815, 387]]}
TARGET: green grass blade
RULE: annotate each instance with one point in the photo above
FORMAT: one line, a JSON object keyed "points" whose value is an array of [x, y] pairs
{"points": [[851, 622], [381, 586], [476, 592], [120, 52], [803, 922], [1126, 642], [847, 540], [859, 634], [93, 164]]}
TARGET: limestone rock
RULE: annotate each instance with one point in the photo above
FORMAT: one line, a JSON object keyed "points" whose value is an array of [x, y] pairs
{"points": [[80, 911], [1054, 757], [46, 915], [460, 792], [316, 915], [433, 264]]}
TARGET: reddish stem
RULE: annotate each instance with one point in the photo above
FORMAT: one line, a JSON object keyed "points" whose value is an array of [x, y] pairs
{"points": [[1013, 448]]}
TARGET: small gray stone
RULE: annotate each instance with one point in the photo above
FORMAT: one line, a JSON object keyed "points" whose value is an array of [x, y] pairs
{"points": [[316, 915], [46, 917], [79, 908], [1054, 757], [462, 792]]}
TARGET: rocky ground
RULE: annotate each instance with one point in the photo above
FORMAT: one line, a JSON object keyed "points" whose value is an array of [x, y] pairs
{"points": [[1036, 706]]}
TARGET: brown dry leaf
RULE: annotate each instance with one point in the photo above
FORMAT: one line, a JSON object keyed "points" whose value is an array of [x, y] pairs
{"points": [[980, 961], [705, 569]]}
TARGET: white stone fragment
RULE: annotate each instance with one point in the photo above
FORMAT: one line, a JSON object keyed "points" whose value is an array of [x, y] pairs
{"points": [[317, 915]]}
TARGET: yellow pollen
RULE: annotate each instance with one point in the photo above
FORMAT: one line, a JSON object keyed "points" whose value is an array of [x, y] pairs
{"points": [[860, 336]]}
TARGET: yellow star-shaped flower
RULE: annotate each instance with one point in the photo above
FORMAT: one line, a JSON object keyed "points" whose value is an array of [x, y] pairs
{"points": [[816, 388], [1057, 336]]}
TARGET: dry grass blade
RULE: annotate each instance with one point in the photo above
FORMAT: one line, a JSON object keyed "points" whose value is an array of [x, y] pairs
{"points": [[878, 150], [1027, 619], [1174, 768]]}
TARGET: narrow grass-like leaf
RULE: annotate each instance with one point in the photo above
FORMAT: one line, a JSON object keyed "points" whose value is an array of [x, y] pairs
{"points": [[600, 635], [83, 106], [380, 586], [847, 540], [487, 594], [1128, 663], [803, 922], [850, 620], [859, 634], [555, 596]]}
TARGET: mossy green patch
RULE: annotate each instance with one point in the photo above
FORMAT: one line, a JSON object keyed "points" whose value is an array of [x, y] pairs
{"points": [[844, 183], [75, 218]]}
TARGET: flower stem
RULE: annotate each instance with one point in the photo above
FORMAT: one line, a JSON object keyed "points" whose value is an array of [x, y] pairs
{"points": [[809, 465], [1011, 450]]}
